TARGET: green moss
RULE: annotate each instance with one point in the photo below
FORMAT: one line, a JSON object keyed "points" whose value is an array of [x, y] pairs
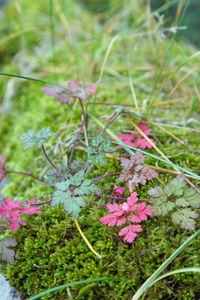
{"points": [[50, 251]]}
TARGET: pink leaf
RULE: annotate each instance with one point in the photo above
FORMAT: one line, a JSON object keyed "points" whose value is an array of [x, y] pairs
{"points": [[114, 208], [109, 219], [118, 191], [75, 90], [13, 209], [31, 211], [141, 213], [132, 200], [14, 226], [11, 203], [130, 232], [139, 141]]}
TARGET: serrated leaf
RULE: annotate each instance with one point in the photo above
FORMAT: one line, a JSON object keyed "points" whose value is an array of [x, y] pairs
{"points": [[176, 218], [168, 190], [134, 172], [160, 207], [77, 178], [187, 212], [3, 223], [184, 218], [192, 197], [107, 146], [63, 186], [40, 137], [155, 192], [189, 192], [53, 176], [70, 193], [182, 202], [177, 185], [59, 197], [28, 139], [97, 152], [73, 205], [97, 140], [86, 188], [7, 254]]}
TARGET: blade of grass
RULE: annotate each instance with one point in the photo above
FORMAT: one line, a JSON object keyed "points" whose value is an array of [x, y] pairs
{"points": [[178, 271], [160, 152], [152, 278], [71, 284], [52, 27], [86, 240], [26, 77], [129, 149]]}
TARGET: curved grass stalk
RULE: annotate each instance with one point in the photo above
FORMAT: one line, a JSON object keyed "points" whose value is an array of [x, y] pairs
{"points": [[86, 240], [178, 271], [69, 285], [149, 282]]}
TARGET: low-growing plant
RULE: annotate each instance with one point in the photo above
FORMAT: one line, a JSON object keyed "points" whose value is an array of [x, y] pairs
{"points": [[71, 185]]}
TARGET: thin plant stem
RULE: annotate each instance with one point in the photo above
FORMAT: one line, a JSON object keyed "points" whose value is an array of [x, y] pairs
{"points": [[105, 176], [84, 121], [48, 157], [42, 203], [100, 195], [85, 239], [75, 141], [24, 173], [114, 117]]}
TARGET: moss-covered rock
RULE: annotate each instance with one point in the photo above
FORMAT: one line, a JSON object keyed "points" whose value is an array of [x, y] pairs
{"points": [[50, 250]]}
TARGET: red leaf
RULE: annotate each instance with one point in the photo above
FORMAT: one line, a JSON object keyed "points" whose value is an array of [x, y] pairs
{"points": [[130, 232]]}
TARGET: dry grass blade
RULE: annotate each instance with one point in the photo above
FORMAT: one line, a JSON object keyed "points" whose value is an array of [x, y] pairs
{"points": [[182, 79], [161, 153], [171, 134]]}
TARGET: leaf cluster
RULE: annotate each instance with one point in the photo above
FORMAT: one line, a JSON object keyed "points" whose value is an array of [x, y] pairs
{"points": [[71, 193], [29, 139], [6, 254], [98, 149], [178, 199], [54, 176], [134, 172]]}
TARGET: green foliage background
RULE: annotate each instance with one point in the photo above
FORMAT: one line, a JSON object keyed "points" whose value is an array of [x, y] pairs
{"points": [[71, 43]]}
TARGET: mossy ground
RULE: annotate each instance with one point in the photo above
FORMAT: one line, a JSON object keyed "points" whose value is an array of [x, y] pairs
{"points": [[50, 251]]}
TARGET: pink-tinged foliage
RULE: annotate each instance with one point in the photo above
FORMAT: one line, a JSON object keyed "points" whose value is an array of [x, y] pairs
{"points": [[15, 212], [130, 232], [135, 139], [134, 172], [74, 90], [118, 191], [129, 211], [2, 169]]}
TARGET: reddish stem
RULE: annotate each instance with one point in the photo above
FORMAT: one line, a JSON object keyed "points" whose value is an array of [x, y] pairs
{"points": [[105, 176], [75, 141], [48, 158], [24, 173], [111, 197], [42, 203]]}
